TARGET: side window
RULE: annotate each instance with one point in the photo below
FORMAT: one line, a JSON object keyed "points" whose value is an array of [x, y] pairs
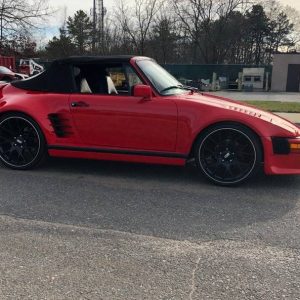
{"points": [[90, 79], [118, 78], [109, 79], [123, 78], [133, 78]]}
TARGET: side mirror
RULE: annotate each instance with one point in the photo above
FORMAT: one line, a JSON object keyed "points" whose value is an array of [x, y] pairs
{"points": [[143, 91]]}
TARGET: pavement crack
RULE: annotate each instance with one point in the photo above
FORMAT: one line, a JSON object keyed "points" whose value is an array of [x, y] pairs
{"points": [[193, 282]]}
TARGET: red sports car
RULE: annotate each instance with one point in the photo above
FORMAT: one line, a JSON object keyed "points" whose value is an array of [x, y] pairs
{"points": [[129, 108]]}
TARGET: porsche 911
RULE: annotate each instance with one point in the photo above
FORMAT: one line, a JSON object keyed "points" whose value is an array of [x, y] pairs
{"points": [[128, 108]]}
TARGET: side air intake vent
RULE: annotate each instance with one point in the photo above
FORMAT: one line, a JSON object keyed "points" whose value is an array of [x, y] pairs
{"points": [[61, 125]]}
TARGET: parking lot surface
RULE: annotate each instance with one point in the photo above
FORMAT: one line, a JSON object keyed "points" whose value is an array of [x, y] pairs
{"points": [[100, 230]]}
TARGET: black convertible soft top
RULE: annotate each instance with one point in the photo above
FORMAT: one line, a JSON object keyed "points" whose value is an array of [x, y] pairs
{"points": [[58, 78]]}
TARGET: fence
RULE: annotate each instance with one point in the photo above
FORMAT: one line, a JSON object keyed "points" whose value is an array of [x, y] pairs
{"points": [[196, 72]]}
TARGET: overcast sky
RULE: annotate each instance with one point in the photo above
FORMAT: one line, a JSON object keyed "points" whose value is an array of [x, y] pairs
{"points": [[74, 5]]}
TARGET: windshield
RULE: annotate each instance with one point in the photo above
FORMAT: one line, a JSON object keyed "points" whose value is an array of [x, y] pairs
{"points": [[163, 81]]}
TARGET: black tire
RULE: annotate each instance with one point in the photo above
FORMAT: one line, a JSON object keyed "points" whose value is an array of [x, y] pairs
{"points": [[228, 154], [22, 143]]}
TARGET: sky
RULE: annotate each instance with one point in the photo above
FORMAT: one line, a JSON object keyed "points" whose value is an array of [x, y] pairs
{"points": [[71, 6]]}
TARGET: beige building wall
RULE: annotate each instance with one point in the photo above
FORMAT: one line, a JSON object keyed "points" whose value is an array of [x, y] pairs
{"points": [[280, 70]]}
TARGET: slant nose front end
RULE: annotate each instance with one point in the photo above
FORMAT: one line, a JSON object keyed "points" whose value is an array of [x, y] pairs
{"points": [[283, 156]]}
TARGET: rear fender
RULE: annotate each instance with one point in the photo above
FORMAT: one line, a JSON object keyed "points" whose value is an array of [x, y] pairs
{"points": [[2, 86]]}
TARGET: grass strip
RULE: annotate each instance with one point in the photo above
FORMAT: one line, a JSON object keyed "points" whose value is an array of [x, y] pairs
{"points": [[277, 106]]}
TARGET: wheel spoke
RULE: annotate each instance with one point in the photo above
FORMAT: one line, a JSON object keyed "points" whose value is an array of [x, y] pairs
{"points": [[4, 140], [7, 130]]}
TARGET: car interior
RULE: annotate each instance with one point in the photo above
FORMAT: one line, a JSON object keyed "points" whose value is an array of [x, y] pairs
{"points": [[96, 79], [105, 79]]}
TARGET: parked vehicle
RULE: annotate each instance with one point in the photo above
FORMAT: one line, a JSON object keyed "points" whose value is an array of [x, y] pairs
{"points": [[128, 108], [30, 67], [8, 62], [8, 75]]}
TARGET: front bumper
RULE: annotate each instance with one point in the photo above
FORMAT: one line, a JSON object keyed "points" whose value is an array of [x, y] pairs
{"points": [[281, 164]]}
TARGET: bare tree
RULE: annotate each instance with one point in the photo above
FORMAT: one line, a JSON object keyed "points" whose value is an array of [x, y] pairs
{"points": [[16, 15], [198, 16], [164, 35], [294, 17], [136, 21]]}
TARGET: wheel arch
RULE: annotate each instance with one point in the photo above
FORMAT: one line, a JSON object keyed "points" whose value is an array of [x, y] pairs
{"points": [[13, 111], [25, 114], [236, 123]]}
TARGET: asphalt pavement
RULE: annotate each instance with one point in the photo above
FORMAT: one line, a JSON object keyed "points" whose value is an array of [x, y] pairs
{"points": [[77, 229]]}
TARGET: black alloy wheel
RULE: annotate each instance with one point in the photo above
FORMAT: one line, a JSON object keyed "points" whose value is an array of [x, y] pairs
{"points": [[228, 154], [22, 144]]}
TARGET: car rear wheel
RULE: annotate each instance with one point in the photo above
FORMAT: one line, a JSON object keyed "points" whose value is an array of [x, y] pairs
{"points": [[228, 154], [22, 144]]}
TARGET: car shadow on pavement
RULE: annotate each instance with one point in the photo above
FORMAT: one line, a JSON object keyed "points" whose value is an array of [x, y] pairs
{"points": [[160, 201]]}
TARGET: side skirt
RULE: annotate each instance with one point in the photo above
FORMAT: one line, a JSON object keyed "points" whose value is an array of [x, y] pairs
{"points": [[151, 157]]}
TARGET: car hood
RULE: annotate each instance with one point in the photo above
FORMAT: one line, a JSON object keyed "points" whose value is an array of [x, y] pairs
{"points": [[242, 108]]}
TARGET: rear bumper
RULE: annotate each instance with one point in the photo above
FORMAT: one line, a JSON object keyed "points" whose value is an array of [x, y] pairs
{"points": [[281, 164]]}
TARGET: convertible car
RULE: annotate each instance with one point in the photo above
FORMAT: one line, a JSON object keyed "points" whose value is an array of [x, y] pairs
{"points": [[128, 108]]}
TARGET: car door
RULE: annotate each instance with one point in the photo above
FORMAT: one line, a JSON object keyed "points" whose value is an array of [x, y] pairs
{"points": [[120, 120]]}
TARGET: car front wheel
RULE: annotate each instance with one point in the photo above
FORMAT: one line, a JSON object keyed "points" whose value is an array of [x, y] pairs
{"points": [[22, 144], [228, 154]]}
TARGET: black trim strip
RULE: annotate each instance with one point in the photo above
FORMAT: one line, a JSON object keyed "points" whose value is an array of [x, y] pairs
{"points": [[281, 145], [115, 151]]}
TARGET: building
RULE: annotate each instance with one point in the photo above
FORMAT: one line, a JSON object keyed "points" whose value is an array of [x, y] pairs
{"points": [[286, 73], [253, 78]]}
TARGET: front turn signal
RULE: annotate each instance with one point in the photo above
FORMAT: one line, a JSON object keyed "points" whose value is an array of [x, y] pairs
{"points": [[295, 145]]}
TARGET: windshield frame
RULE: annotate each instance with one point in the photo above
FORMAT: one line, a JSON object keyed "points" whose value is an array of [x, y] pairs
{"points": [[180, 90]]}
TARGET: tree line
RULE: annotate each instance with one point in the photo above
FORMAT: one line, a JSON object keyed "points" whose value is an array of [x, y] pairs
{"points": [[178, 31], [18, 19]]}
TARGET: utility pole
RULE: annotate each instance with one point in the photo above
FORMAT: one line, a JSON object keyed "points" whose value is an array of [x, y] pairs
{"points": [[101, 11], [1, 25], [94, 27], [98, 12]]}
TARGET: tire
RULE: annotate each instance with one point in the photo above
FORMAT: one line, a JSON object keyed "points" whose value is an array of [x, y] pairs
{"points": [[22, 143], [228, 154]]}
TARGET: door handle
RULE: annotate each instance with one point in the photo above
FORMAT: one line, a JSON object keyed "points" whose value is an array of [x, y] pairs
{"points": [[79, 104]]}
